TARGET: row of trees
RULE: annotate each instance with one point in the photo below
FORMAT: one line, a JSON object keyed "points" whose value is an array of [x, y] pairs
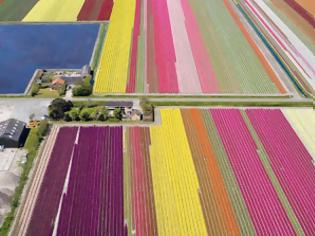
{"points": [[60, 109]]}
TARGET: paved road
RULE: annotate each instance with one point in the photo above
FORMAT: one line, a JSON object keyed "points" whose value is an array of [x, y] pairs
{"points": [[21, 108]]}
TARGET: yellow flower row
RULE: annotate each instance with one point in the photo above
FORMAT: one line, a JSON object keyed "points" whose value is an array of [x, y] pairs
{"points": [[112, 74], [303, 122], [175, 182], [52, 10]]}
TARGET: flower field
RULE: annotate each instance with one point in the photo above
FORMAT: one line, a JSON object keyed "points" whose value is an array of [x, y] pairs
{"points": [[180, 47], [112, 73], [52, 184], [305, 8], [94, 188], [54, 10], [295, 22], [303, 124], [292, 53], [214, 172]]}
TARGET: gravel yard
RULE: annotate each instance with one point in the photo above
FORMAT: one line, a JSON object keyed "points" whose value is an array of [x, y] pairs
{"points": [[10, 171], [22, 108]]}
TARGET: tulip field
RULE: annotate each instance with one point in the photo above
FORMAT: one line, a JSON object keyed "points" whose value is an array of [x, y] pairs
{"points": [[304, 8], [297, 23], [54, 10], [292, 52], [182, 117], [95, 188], [180, 47], [201, 171]]}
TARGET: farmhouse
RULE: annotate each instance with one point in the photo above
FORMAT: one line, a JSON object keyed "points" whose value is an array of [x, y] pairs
{"points": [[12, 133], [57, 82]]}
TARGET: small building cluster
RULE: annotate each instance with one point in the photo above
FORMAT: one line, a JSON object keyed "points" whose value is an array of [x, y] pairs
{"points": [[127, 109], [58, 78], [13, 133]]}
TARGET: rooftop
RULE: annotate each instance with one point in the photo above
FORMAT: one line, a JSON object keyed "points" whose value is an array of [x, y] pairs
{"points": [[11, 128]]}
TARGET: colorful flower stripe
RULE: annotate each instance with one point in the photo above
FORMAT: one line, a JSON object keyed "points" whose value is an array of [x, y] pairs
{"points": [[95, 10], [302, 12], [225, 45], [95, 188], [291, 162], [218, 210], [255, 47], [272, 176], [52, 10], [51, 188], [175, 182], [206, 73], [131, 86], [112, 74], [262, 201], [142, 194], [164, 48], [305, 8], [187, 76], [291, 46], [150, 66], [303, 122], [106, 10], [243, 217], [295, 22], [179, 47]]}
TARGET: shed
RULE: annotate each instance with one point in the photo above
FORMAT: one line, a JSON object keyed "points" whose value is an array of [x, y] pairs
{"points": [[13, 133], [121, 104]]}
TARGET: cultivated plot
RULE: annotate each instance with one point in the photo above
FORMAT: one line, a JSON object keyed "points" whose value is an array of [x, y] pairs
{"points": [[182, 47], [54, 10], [215, 172]]}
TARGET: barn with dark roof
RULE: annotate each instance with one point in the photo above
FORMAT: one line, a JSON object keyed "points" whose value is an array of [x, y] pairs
{"points": [[12, 133]]}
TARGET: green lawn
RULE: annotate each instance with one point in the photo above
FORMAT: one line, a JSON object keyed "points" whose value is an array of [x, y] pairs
{"points": [[47, 93]]}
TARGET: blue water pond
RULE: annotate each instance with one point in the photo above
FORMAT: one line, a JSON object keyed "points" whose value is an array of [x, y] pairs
{"points": [[24, 48]]}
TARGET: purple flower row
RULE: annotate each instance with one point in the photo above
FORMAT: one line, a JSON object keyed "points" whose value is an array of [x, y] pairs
{"points": [[46, 207], [93, 204]]}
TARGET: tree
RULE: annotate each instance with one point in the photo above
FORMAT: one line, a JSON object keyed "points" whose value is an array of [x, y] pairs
{"points": [[67, 116], [62, 90], [147, 108], [83, 88], [85, 114], [74, 114], [102, 114], [35, 89], [58, 107], [118, 113], [94, 114]]}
